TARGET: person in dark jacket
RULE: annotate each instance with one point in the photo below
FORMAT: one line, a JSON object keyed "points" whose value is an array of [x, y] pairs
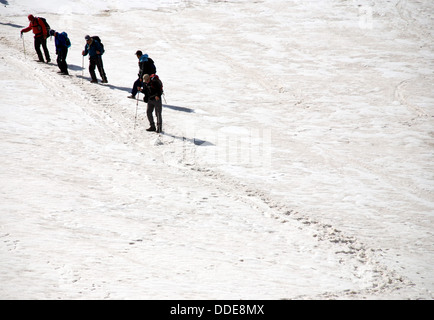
{"points": [[146, 66], [153, 89], [41, 35], [61, 42], [94, 49]]}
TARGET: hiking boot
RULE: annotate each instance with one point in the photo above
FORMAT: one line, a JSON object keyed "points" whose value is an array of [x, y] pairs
{"points": [[151, 129], [94, 81], [104, 81], [48, 61], [131, 96]]}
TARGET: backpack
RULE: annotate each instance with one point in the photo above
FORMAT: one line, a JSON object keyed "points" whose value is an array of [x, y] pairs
{"points": [[47, 26], [99, 40], [68, 42], [155, 77]]}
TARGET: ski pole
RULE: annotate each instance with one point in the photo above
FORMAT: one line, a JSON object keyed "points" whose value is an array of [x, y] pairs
{"points": [[137, 106]]}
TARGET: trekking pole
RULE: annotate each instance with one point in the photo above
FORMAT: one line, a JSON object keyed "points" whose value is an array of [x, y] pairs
{"points": [[137, 106], [82, 68], [24, 46]]}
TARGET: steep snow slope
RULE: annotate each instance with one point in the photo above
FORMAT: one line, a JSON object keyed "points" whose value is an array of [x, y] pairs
{"points": [[296, 160]]}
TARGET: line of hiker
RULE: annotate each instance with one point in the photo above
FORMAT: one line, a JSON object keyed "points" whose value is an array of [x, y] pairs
{"points": [[147, 81]]}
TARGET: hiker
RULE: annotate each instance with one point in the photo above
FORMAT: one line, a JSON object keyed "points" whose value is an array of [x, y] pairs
{"points": [[41, 34], [62, 44], [146, 66], [153, 89], [95, 50]]}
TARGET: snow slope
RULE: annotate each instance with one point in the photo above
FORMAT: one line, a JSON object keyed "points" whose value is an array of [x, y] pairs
{"points": [[296, 161]]}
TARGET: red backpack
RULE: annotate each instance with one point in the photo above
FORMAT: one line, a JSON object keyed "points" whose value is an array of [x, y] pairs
{"points": [[155, 77]]}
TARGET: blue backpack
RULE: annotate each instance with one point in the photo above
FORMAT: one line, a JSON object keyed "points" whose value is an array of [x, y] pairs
{"points": [[99, 40], [68, 42]]}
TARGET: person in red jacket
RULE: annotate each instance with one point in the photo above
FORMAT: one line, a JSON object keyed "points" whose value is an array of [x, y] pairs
{"points": [[41, 35]]}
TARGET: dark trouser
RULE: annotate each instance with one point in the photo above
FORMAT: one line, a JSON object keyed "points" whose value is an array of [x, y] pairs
{"points": [[137, 83], [61, 59], [96, 62], [38, 42], [158, 106]]}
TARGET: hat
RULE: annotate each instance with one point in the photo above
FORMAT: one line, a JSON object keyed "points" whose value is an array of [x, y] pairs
{"points": [[30, 17], [52, 32], [87, 37], [139, 53]]}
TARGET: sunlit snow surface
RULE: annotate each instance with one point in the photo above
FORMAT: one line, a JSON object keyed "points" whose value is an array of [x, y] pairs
{"points": [[296, 160]]}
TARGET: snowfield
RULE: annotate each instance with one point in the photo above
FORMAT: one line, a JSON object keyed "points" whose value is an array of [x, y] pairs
{"points": [[296, 160]]}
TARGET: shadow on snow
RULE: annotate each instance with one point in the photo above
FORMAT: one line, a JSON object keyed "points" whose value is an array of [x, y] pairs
{"points": [[10, 24], [196, 141]]}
